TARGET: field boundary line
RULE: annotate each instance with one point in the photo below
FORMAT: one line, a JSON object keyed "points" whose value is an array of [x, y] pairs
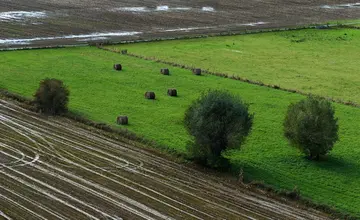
{"points": [[233, 77]]}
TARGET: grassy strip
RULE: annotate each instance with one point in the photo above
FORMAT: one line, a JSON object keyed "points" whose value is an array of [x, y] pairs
{"points": [[329, 25], [321, 62], [100, 94], [130, 138]]}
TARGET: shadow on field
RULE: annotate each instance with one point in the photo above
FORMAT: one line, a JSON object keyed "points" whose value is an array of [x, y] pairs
{"points": [[338, 165], [253, 173]]}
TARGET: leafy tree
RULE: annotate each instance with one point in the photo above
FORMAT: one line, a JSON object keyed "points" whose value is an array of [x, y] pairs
{"points": [[52, 97], [310, 125], [217, 121]]}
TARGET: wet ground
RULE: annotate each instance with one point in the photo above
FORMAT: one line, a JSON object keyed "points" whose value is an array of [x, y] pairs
{"points": [[53, 169], [54, 22]]}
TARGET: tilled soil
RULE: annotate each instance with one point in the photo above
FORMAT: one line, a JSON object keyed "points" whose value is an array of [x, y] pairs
{"points": [[68, 18], [53, 169]]}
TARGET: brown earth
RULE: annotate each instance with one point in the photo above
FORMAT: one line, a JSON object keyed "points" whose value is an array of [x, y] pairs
{"points": [[87, 16], [51, 168]]}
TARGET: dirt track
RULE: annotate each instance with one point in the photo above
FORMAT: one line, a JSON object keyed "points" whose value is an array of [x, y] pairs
{"points": [[176, 17], [53, 169]]}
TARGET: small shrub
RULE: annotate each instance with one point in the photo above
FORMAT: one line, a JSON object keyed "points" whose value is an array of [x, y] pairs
{"points": [[293, 194], [218, 121], [310, 125], [52, 97]]}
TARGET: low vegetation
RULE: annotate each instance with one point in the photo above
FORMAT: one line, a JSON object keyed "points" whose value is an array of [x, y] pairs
{"points": [[100, 93]]}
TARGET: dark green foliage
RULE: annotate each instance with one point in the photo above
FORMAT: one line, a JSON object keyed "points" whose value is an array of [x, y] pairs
{"points": [[311, 126], [52, 97], [217, 121]]}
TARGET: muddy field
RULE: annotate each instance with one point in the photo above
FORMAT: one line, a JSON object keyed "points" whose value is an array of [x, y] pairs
{"points": [[54, 22], [53, 169]]}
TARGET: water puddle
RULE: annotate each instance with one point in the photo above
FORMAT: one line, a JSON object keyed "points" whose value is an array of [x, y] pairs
{"points": [[81, 37], [342, 6], [93, 39], [20, 15], [210, 9], [182, 9], [187, 29], [254, 24], [132, 9], [161, 8], [212, 27]]}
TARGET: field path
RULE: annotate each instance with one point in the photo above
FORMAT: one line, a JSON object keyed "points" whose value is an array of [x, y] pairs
{"points": [[53, 169]]}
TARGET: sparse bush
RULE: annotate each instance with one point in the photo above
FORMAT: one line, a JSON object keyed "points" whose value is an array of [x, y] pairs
{"points": [[294, 194], [311, 126], [52, 97], [217, 121]]}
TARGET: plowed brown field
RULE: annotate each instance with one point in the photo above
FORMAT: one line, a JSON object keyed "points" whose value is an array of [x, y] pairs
{"points": [[73, 22], [53, 169]]}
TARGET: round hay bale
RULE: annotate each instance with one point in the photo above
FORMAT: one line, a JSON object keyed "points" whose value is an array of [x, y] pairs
{"points": [[165, 71], [117, 67], [172, 92], [122, 120], [123, 51], [197, 71], [150, 95]]}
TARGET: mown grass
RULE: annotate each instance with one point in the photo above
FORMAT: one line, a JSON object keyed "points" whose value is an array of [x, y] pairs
{"points": [[323, 62], [101, 94]]}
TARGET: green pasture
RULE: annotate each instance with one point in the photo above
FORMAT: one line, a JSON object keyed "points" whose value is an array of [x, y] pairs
{"points": [[101, 94], [323, 62]]}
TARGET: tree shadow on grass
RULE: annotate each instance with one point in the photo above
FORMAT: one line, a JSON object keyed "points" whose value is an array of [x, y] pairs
{"points": [[328, 163], [337, 164], [255, 173]]}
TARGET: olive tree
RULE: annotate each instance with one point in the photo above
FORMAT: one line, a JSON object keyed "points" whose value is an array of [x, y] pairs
{"points": [[217, 121], [51, 97], [310, 125]]}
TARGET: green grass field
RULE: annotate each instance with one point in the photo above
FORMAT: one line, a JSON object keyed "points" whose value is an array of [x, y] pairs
{"points": [[323, 62], [101, 94]]}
